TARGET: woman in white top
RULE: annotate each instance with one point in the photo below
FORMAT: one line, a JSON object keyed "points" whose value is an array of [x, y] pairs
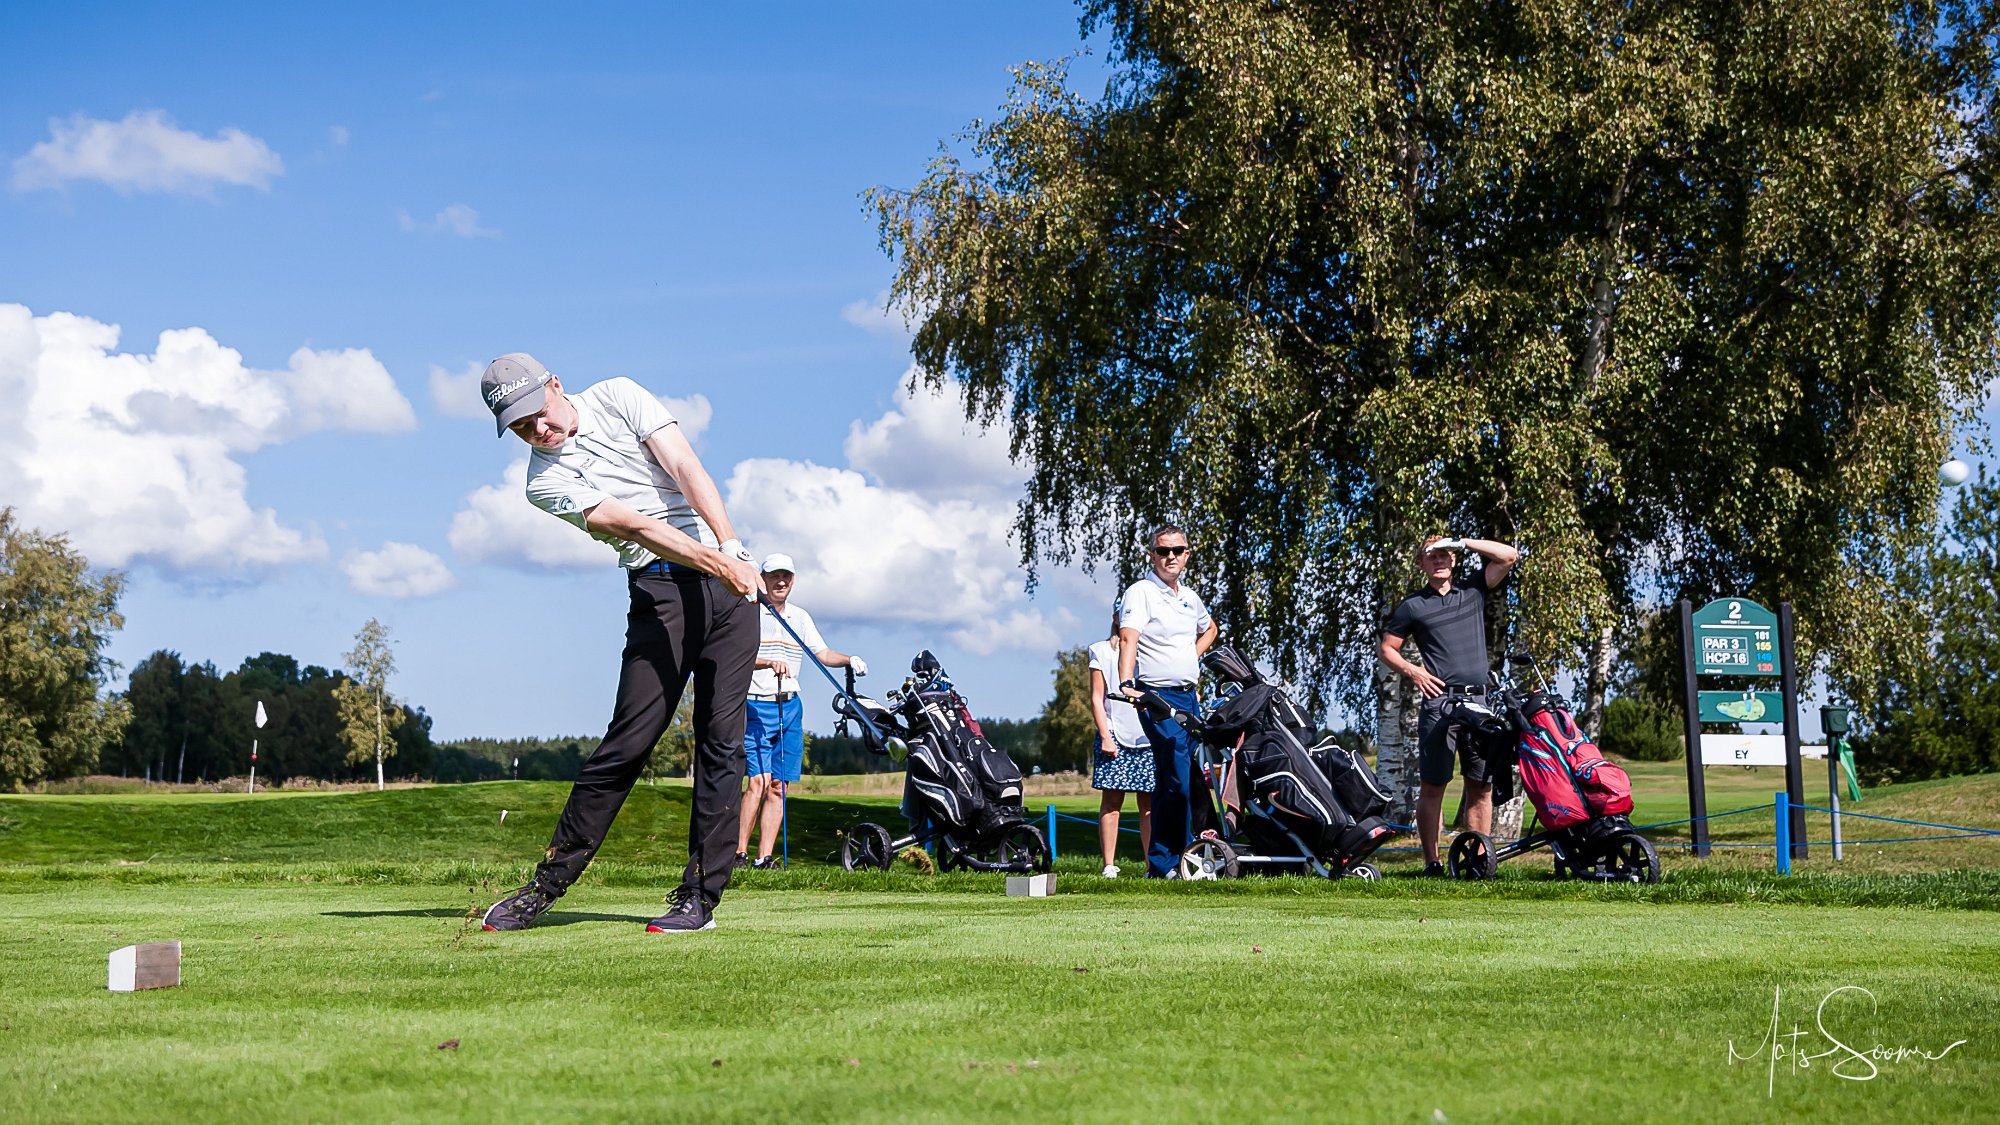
{"points": [[1123, 760]]}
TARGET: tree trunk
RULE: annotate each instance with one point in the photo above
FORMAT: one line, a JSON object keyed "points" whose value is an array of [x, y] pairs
{"points": [[1396, 738], [1598, 680], [378, 743]]}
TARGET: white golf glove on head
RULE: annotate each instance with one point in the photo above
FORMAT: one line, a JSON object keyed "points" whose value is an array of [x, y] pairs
{"points": [[859, 665], [1448, 545]]}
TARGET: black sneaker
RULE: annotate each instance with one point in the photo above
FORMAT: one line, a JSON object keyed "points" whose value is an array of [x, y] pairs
{"points": [[765, 863], [519, 910], [686, 912], [742, 860], [1434, 871]]}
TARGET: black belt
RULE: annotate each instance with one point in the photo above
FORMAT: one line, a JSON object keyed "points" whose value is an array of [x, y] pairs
{"points": [[1464, 689], [670, 570], [781, 697]]}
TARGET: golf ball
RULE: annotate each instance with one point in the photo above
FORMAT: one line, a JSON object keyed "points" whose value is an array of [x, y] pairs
{"points": [[1954, 473]]}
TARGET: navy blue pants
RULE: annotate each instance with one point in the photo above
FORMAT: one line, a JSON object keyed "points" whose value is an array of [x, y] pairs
{"points": [[1173, 788]]}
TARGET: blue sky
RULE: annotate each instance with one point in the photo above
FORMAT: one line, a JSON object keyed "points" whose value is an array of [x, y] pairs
{"points": [[255, 253]]}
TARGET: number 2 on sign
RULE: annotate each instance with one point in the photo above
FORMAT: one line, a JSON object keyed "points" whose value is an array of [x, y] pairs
{"points": [[1736, 611]]}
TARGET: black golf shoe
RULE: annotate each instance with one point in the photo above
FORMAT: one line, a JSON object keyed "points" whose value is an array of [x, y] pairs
{"points": [[1434, 871], [765, 863], [686, 913], [519, 910]]}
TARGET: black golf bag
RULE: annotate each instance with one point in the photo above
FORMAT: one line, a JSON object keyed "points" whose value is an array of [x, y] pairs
{"points": [[962, 783], [1322, 792]]}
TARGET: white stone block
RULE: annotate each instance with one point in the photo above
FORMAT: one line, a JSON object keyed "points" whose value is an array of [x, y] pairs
{"points": [[156, 964], [1031, 886]]}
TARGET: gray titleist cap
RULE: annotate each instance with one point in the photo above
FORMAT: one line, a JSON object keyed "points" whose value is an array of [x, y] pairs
{"points": [[512, 388]]}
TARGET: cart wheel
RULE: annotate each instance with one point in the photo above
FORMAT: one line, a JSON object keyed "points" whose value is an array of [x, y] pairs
{"points": [[1366, 872], [1632, 859], [865, 846], [1024, 849], [1562, 869], [947, 853], [1210, 858], [1472, 857]]}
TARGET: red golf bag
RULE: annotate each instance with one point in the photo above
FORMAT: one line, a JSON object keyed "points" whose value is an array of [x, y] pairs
{"points": [[1565, 775]]}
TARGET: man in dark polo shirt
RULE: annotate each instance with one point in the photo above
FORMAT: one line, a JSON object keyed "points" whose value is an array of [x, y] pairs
{"points": [[1448, 621]]}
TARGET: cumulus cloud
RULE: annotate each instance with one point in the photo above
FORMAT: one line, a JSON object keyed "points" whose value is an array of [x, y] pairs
{"points": [[456, 393], [135, 456], [398, 570], [875, 315], [498, 524], [145, 152], [457, 220], [925, 445]]}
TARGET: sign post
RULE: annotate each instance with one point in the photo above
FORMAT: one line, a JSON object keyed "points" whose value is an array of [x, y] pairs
{"points": [[1739, 638]]}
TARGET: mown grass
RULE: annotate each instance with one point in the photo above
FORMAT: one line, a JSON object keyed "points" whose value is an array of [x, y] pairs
{"points": [[331, 948], [317, 1002]]}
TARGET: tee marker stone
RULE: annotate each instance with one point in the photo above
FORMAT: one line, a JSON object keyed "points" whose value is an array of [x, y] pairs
{"points": [[1031, 886], [156, 964]]}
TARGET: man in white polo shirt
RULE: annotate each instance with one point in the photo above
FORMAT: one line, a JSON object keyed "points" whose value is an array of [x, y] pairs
{"points": [[611, 460], [1163, 628], [774, 738]]}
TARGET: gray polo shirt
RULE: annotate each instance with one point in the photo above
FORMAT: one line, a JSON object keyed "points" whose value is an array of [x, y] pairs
{"points": [[608, 459], [1450, 630]]}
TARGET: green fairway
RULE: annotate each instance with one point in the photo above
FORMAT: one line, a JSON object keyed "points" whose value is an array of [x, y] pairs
{"points": [[330, 948], [324, 1003]]}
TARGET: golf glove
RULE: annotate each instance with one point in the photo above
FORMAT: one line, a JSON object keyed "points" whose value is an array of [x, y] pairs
{"points": [[859, 665], [734, 548], [1448, 545]]}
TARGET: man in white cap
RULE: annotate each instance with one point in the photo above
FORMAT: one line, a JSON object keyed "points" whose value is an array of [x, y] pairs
{"points": [[774, 740], [611, 460]]}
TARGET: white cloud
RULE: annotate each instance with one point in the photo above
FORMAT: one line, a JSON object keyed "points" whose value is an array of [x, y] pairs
{"points": [[398, 570], [925, 445], [691, 414], [498, 524], [457, 220], [145, 152], [135, 456], [456, 393], [875, 315]]}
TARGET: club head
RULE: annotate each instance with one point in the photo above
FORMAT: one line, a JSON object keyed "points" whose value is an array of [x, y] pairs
{"points": [[899, 751]]}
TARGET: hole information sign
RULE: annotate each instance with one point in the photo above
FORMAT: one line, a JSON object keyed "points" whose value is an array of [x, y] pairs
{"points": [[1735, 637]]}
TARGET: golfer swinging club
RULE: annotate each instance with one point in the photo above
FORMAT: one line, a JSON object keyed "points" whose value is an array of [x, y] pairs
{"points": [[612, 460]]}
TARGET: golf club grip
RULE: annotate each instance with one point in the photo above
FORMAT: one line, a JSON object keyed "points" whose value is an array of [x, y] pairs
{"points": [[765, 601]]}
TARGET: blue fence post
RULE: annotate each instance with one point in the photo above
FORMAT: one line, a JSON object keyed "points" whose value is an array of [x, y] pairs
{"points": [[1782, 802], [1052, 833]]}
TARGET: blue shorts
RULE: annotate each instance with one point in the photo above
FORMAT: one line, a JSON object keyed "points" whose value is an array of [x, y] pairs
{"points": [[774, 738]]}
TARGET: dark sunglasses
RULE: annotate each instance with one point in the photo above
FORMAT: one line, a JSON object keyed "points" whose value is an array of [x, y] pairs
{"points": [[1169, 552]]}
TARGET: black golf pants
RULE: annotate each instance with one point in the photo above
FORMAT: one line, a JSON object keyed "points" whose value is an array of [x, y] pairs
{"points": [[680, 625]]}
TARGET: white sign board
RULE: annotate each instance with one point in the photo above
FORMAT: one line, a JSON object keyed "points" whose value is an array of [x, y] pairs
{"points": [[1750, 750]]}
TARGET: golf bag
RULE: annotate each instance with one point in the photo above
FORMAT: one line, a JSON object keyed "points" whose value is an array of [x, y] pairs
{"points": [[1277, 764], [963, 783], [1567, 778]]}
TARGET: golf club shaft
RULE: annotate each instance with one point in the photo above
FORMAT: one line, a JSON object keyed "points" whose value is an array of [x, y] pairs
{"points": [[765, 601]]}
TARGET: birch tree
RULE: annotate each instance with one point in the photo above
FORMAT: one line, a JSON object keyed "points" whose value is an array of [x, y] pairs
{"points": [[369, 715]]}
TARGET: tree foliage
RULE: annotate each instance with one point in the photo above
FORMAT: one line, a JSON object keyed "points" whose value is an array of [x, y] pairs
{"points": [[1066, 730], [1941, 712], [55, 620], [369, 715], [1638, 730], [1685, 298], [191, 722]]}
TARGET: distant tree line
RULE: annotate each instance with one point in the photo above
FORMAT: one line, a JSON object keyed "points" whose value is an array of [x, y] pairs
{"points": [[190, 722]]}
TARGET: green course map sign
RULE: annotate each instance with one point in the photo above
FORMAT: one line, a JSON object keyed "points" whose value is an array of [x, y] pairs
{"points": [[1742, 707], [1735, 637]]}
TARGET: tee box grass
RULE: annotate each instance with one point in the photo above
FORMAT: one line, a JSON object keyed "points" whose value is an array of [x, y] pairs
{"points": [[334, 970]]}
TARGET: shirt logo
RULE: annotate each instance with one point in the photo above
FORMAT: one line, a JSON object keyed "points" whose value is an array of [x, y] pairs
{"points": [[566, 504]]}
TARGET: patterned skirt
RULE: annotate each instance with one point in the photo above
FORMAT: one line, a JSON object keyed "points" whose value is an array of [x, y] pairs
{"points": [[1131, 770]]}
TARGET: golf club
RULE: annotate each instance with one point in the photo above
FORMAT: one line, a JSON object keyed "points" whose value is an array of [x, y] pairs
{"points": [[897, 748]]}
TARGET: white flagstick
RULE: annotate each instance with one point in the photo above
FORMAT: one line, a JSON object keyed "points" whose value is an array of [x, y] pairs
{"points": [[253, 747]]}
